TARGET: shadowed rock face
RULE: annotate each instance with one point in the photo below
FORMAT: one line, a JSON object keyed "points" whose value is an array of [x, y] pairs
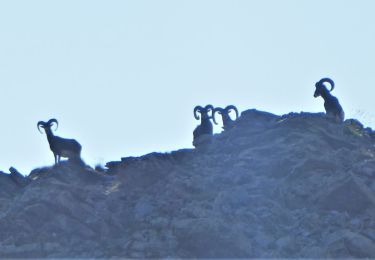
{"points": [[297, 185]]}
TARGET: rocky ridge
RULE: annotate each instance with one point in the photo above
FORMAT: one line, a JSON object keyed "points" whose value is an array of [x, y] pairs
{"points": [[297, 185]]}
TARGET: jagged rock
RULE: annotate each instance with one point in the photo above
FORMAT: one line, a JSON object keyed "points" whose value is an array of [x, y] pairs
{"points": [[202, 141], [344, 242], [292, 186], [346, 197], [17, 177], [8, 189]]}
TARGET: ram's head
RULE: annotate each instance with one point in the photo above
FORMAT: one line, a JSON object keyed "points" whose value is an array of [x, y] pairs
{"points": [[203, 111], [320, 87], [224, 112], [47, 125]]}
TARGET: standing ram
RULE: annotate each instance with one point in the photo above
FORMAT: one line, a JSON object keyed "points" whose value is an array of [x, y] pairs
{"points": [[331, 103], [205, 128], [61, 147], [228, 122]]}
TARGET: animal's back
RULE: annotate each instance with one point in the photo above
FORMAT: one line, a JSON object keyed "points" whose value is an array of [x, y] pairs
{"points": [[67, 147]]}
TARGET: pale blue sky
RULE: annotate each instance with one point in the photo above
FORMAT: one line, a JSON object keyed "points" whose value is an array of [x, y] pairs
{"points": [[122, 77]]}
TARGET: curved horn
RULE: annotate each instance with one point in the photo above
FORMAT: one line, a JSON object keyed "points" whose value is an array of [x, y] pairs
{"points": [[53, 120], [197, 109], [328, 80], [228, 108], [40, 123], [219, 110], [209, 108]]}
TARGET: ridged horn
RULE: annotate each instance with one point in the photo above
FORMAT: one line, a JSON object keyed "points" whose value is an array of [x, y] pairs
{"points": [[40, 123], [231, 107], [218, 110], [51, 121], [208, 108], [197, 109], [328, 80]]}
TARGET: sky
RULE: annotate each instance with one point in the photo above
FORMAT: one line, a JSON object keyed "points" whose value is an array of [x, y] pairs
{"points": [[123, 77]]}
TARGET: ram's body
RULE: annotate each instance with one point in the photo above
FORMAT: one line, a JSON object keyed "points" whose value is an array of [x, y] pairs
{"points": [[205, 128]]}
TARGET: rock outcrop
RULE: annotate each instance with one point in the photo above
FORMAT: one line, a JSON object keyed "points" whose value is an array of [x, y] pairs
{"points": [[297, 185]]}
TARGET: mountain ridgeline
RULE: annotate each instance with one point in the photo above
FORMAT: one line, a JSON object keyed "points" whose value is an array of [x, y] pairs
{"points": [[298, 185]]}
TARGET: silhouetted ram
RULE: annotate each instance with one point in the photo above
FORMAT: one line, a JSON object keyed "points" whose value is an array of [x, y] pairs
{"points": [[331, 103], [61, 147], [205, 128]]}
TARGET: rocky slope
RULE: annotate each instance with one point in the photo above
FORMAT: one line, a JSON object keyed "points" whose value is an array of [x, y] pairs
{"points": [[292, 186]]}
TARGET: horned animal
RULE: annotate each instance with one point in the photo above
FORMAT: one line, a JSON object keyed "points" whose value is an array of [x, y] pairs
{"points": [[61, 147], [331, 103], [205, 128], [228, 122]]}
